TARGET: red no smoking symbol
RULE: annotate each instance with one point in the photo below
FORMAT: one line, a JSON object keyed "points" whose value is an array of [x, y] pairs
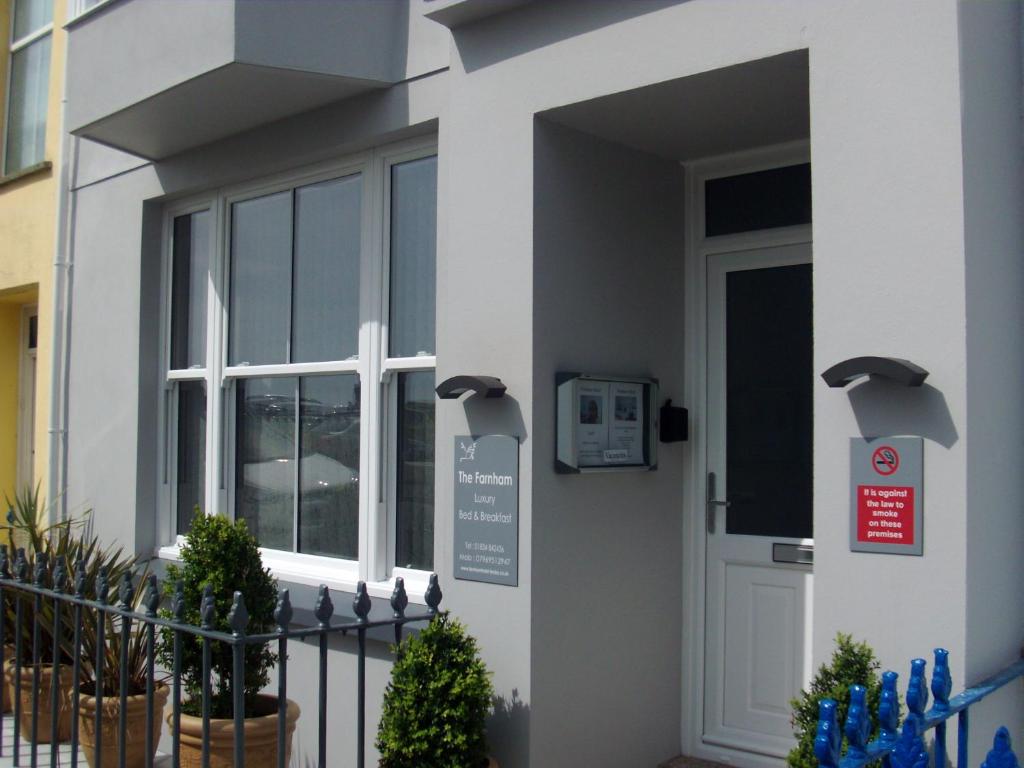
{"points": [[885, 460]]}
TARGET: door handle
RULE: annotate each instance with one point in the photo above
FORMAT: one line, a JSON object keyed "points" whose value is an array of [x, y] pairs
{"points": [[712, 502]]}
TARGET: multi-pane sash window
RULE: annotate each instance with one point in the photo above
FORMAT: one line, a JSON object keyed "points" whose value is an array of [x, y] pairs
{"points": [[28, 84], [301, 368]]}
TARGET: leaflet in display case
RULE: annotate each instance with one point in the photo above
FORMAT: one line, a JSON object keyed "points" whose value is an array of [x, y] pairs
{"points": [[605, 423]]}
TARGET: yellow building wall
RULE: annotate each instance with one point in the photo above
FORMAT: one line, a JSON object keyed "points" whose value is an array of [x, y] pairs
{"points": [[28, 227], [10, 325]]}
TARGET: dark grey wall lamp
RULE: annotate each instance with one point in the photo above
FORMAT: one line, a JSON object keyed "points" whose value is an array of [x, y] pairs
{"points": [[456, 386], [900, 371]]}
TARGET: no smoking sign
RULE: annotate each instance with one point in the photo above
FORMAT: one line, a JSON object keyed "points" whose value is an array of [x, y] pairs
{"points": [[885, 460], [886, 495]]}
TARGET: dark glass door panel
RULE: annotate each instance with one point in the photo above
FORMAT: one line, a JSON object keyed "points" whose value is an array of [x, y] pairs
{"points": [[768, 402]]}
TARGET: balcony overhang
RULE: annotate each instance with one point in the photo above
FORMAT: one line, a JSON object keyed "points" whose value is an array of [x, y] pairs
{"points": [[455, 13], [156, 79]]}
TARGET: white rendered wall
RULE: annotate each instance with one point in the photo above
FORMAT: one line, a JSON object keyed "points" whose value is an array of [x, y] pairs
{"points": [[990, 72]]}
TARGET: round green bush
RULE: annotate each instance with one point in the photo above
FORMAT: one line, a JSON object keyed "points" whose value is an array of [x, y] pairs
{"points": [[225, 556], [437, 702], [851, 663]]}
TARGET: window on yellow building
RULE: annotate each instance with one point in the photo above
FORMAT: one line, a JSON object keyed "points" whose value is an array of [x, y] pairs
{"points": [[28, 84]]}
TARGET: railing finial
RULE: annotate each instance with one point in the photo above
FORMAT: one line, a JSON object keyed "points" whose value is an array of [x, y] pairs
{"points": [[324, 608], [5, 568], [434, 594], [80, 578], [399, 599], [102, 585], [283, 611], [152, 598], [858, 723], [361, 603], [917, 690], [827, 740], [178, 601], [127, 591], [889, 709], [207, 609], [1001, 755], [942, 681], [39, 575], [21, 566], [238, 616], [60, 576]]}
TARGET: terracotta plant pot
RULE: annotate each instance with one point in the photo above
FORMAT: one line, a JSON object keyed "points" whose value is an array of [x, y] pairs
{"points": [[260, 738], [135, 732], [8, 693], [64, 683]]}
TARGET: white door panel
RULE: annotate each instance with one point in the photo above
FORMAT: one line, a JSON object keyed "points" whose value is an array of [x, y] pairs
{"points": [[757, 611]]}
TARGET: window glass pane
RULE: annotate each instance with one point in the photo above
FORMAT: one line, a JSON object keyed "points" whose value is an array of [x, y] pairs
{"points": [[326, 280], [26, 126], [769, 402], [188, 290], [265, 459], [415, 471], [191, 466], [329, 466], [261, 257], [779, 197], [413, 252], [31, 15]]}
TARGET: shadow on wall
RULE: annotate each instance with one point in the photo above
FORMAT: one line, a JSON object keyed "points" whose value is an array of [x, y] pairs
{"points": [[509, 727], [885, 409], [535, 26], [497, 416]]}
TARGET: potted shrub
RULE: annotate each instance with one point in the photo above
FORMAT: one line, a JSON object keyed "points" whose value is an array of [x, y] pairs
{"points": [[140, 596], [437, 702], [225, 557], [852, 662], [45, 546]]}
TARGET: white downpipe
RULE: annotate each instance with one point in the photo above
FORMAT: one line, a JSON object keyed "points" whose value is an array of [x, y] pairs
{"points": [[61, 349]]}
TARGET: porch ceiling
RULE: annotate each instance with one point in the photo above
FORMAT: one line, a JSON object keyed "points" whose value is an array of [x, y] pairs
{"points": [[748, 105]]}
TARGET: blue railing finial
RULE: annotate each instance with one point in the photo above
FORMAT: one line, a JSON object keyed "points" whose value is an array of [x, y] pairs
{"points": [[889, 709], [917, 690], [828, 740], [942, 681], [858, 723], [1001, 755]]}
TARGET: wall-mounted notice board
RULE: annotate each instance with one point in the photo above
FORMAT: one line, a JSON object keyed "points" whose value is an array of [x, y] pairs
{"points": [[605, 423]]}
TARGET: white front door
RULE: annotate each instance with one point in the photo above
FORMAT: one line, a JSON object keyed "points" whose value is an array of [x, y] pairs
{"points": [[759, 509]]}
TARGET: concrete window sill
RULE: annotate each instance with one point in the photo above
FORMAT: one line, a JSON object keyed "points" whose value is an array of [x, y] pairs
{"points": [[24, 173]]}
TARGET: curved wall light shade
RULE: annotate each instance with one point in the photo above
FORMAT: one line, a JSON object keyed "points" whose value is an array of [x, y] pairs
{"points": [[456, 386], [900, 371]]}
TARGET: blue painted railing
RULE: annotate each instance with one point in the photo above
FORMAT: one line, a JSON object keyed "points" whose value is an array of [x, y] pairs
{"points": [[904, 747]]}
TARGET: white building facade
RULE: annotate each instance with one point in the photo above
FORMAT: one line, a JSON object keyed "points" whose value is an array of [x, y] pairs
{"points": [[289, 222]]}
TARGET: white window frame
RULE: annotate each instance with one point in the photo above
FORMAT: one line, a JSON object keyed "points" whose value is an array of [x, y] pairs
{"points": [[378, 405], [12, 48], [28, 379]]}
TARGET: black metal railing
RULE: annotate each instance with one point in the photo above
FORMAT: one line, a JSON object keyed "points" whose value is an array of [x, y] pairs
{"points": [[30, 608]]}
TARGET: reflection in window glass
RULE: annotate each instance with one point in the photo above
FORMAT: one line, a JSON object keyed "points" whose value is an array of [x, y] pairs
{"points": [[31, 16], [265, 459], [191, 470], [415, 471], [413, 257], [261, 260], [329, 466], [326, 281], [191, 260], [27, 101]]}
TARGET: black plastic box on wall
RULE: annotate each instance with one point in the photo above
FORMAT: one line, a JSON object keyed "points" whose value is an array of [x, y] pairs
{"points": [[605, 423]]}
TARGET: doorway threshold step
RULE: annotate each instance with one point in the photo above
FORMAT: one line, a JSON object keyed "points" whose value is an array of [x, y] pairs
{"points": [[684, 761]]}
